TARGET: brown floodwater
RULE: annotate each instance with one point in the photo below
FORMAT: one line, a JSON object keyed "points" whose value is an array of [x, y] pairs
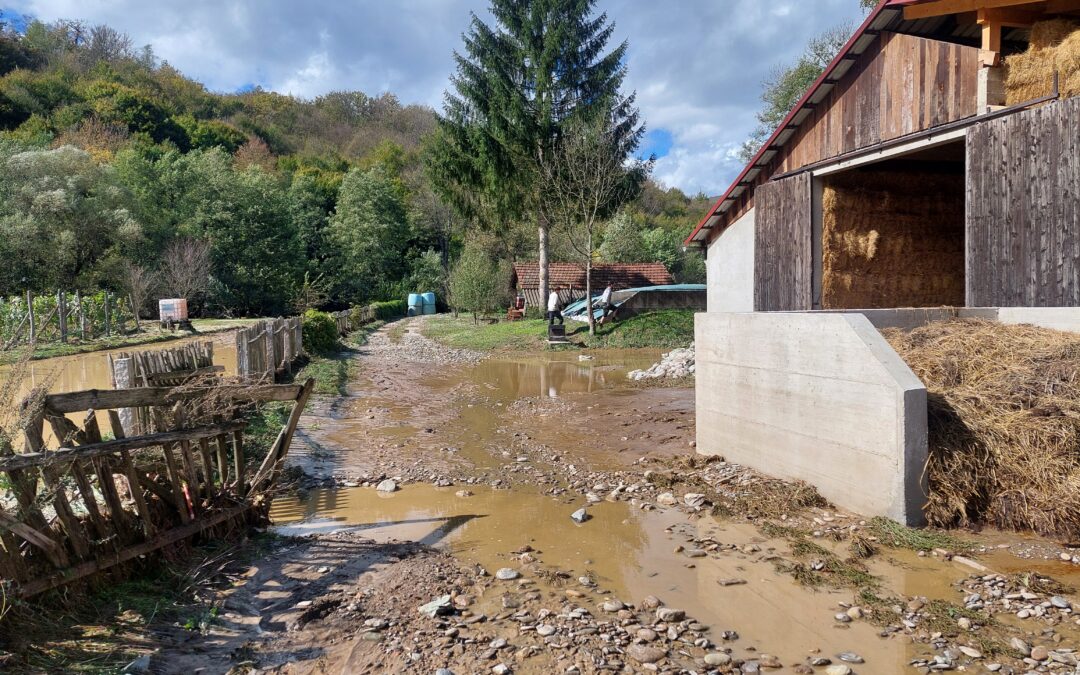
{"points": [[630, 553]]}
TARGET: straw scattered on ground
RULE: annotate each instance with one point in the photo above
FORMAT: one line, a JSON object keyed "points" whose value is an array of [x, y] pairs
{"points": [[1004, 424]]}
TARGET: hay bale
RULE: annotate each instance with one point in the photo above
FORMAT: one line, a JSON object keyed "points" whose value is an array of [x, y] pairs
{"points": [[892, 239], [1054, 46], [1004, 424]]}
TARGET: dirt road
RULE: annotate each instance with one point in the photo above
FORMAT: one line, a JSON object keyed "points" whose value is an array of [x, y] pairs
{"points": [[680, 565]]}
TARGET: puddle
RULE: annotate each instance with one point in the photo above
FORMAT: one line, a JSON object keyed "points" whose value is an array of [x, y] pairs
{"points": [[629, 552]]}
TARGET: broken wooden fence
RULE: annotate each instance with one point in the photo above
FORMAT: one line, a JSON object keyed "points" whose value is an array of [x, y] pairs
{"points": [[170, 367], [268, 348], [62, 316], [349, 320], [92, 503]]}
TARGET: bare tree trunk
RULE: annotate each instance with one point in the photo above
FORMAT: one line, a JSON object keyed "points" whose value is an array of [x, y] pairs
{"points": [[135, 311], [588, 287], [544, 286]]}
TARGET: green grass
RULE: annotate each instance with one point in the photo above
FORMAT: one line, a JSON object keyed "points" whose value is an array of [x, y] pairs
{"points": [[892, 533], [660, 330], [331, 374], [151, 334]]}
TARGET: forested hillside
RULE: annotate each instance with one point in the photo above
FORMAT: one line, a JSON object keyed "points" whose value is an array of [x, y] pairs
{"points": [[116, 171]]}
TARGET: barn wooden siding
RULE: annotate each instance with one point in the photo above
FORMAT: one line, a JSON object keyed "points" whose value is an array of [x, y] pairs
{"points": [[908, 84], [1023, 209], [783, 257]]}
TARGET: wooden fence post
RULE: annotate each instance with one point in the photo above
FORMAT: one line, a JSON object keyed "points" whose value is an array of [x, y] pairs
{"points": [[108, 330], [30, 314], [82, 315], [268, 346], [61, 308]]}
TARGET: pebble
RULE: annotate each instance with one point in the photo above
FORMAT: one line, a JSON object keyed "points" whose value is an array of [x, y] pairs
{"points": [[501, 669], [666, 499], [668, 615], [850, 657], [645, 653], [1040, 653], [612, 606], [693, 499], [838, 670], [387, 486], [444, 671], [507, 574], [648, 635], [971, 652], [580, 516], [964, 623], [1060, 602], [717, 659], [463, 493], [545, 630]]}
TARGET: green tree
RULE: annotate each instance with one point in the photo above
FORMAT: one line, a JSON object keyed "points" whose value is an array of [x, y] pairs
{"points": [[518, 84], [622, 241], [368, 233], [478, 283], [64, 221]]}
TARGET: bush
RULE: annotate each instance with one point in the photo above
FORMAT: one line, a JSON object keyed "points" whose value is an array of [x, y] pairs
{"points": [[391, 309], [320, 332]]}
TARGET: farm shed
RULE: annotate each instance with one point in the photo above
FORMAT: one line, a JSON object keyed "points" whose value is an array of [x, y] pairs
{"points": [[525, 279], [932, 171]]}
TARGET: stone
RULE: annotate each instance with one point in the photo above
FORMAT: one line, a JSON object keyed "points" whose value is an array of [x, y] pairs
{"points": [[1020, 646], [1040, 653], [651, 602], [668, 615], [645, 654], [717, 659], [438, 607], [580, 516], [838, 669], [667, 499], [545, 630], [964, 623], [612, 606], [444, 671], [769, 661], [463, 493], [971, 652], [387, 486], [693, 499], [1060, 602], [842, 617], [371, 636], [646, 634], [855, 612], [507, 574], [501, 669], [850, 657]]}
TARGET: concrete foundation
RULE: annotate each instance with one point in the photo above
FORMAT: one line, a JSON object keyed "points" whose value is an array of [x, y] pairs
{"points": [[819, 397]]}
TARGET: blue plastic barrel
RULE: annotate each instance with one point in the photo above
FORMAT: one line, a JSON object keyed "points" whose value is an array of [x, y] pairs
{"points": [[429, 303], [416, 304]]}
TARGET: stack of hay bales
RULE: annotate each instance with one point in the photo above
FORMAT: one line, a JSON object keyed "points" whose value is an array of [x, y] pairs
{"points": [[1054, 47], [1004, 424], [892, 239]]}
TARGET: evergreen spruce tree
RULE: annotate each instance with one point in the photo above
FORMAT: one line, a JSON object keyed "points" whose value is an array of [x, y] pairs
{"points": [[519, 84]]}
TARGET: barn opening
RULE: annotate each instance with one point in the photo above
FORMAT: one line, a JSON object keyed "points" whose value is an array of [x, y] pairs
{"points": [[892, 233]]}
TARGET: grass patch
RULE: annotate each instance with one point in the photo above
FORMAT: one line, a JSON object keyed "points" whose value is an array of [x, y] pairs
{"points": [[396, 332], [659, 330], [816, 566], [666, 329], [331, 374], [360, 336], [462, 333], [892, 533]]}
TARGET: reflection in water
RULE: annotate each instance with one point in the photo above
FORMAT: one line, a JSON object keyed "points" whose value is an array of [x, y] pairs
{"points": [[554, 374]]}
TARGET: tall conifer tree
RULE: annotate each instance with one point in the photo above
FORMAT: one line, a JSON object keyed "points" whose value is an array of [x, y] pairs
{"points": [[519, 83]]}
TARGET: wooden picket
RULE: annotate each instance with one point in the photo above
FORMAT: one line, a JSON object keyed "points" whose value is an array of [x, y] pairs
{"points": [[268, 348]]}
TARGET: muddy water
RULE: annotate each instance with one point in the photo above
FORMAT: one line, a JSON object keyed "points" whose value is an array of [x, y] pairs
{"points": [[629, 553], [91, 370]]}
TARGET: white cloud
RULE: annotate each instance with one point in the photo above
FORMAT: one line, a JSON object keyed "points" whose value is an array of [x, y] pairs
{"points": [[697, 65]]}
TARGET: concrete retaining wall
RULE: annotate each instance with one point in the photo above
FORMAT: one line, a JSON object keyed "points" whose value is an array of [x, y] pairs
{"points": [[1059, 318], [730, 267], [819, 397]]}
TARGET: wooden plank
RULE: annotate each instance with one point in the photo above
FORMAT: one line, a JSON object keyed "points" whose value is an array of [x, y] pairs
{"points": [[102, 399], [943, 7], [238, 463], [783, 264], [90, 451], [191, 476], [52, 549], [207, 467], [271, 465], [175, 482], [136, 489], [72, 526], [221, 443], [129, 553], [86, 491]]}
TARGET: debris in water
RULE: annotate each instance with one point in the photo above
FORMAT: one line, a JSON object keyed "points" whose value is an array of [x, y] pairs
{"points": [[580, 516]]}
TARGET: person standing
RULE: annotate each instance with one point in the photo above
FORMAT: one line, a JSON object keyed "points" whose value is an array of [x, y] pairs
{"points": [[554, 308], [605, 304]]}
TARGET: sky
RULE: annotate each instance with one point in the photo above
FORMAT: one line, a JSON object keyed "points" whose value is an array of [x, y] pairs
{"points": [[696, 65]]}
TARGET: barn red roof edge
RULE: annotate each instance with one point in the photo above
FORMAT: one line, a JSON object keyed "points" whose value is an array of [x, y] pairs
{"points": [[798, 106]]}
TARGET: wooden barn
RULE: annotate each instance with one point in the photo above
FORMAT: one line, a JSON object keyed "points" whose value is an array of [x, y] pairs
{"points": [[525, 279], [936, 162]]}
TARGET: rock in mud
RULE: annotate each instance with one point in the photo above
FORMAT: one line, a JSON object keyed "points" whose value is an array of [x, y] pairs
{"points": [[669, 615], [501, 669], [717, 659], [507, 574], [463, 493], [545, 630], [438, 607], [1040, 653], [645, 653], [667, 499], [694, 500], [850, 657], [838, 670], [612, 606], [387, 486], [444, 671], [580, 516]]}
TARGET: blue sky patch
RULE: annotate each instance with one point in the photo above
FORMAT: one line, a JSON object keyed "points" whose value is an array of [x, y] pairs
{"points": [[15, 20], [657, 142]]}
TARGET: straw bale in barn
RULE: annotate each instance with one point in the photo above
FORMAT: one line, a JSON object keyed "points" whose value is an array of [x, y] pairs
{"points": [[893, 239], [1054, 46]]}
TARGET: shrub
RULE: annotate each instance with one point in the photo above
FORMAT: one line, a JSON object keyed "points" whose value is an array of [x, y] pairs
{"points": [[391, 309], [320, 332]]}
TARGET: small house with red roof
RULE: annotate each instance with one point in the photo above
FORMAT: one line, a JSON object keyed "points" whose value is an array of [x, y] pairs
{"points": [[570, 278]]}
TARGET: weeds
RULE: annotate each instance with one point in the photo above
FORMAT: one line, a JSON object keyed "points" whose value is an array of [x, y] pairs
{"points": [[892, 533]]}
